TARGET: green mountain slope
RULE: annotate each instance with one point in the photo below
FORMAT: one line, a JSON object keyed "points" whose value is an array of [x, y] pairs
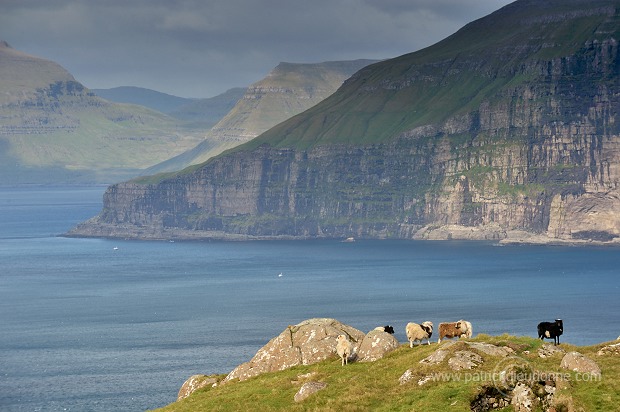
{"points": [[482, 62], [54, 130]]}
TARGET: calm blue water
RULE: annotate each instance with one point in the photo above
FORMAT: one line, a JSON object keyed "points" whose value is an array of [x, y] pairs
{"points": [[86, 327]]}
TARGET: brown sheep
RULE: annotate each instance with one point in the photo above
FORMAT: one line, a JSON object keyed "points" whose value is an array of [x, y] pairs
{"points": [[460, 329]]}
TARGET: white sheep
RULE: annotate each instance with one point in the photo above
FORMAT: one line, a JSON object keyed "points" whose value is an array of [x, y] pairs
{"points": [[417, 332], [343, 348], [468, 329]]}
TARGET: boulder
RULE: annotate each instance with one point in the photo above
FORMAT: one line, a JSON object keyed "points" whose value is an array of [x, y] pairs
{"points": [[194, 383], [578, 362], [308, 389], [308, 342], [375, 345]]}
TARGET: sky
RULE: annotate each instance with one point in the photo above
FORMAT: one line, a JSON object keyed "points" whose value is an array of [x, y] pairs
{"points": [[201, 48]]}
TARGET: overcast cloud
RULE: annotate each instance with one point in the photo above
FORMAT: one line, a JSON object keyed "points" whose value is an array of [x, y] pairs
{"points": [[200, 48]]}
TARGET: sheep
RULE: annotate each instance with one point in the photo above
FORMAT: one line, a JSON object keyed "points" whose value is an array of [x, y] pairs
{"points": [[551, 330], [460, 329], [387, 328], [417, 332], [343, 348]]}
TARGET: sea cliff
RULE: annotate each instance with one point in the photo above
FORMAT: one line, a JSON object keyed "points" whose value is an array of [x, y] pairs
{"points": [[521, 145]]}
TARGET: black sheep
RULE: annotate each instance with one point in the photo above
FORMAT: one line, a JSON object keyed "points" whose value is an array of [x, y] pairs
{"points": [[386, 328], [551, 330]]}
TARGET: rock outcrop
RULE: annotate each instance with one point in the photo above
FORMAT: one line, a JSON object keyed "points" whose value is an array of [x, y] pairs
{"points": [[195, 382], [308, 342], [612, 349], [522, 144]]}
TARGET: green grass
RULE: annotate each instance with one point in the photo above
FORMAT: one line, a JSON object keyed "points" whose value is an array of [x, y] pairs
{"points": [[375, 386]]}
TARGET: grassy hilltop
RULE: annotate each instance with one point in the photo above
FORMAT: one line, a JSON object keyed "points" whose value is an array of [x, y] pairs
{"points": [[376, 386]]}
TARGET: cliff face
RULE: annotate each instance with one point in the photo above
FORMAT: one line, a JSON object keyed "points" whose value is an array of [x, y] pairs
{"points": [[533, 151]]}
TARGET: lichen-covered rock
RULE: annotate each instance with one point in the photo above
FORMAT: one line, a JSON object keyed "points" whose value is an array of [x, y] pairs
{"points": [[578, 362], [464, 360], [547, 350], [491, 350], [436, 357], [194, 383], [522, 398], [375, 345], [308, 342], [308, 389], [613, 349], [406, 377]]}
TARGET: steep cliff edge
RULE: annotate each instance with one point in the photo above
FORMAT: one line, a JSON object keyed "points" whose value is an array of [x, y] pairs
{"points": [[505, 130]]}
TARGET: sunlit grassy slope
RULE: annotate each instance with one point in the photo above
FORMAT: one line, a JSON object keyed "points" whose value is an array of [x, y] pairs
{"points": [[375, 386]]}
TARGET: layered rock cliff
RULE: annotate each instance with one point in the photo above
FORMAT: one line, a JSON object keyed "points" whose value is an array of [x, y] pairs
{"points": [[519, 143]]}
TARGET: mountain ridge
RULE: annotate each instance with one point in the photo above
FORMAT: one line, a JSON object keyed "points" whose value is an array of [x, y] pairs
{"points": [[201, 113]]}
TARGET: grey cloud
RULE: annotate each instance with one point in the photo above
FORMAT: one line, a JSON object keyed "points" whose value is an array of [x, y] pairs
{"points": [[201, 48]]}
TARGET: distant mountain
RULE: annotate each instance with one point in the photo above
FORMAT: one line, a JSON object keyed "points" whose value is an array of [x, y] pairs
{"points": [[54, 130], [289, 89], [161, 102], [205, 113], [197, 113], [506, 130]]}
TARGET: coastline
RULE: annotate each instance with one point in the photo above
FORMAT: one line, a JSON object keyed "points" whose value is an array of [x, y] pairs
{"points": [[93, 228]]}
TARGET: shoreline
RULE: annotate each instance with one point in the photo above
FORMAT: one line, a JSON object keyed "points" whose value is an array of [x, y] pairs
{"points": [[93, 229]]}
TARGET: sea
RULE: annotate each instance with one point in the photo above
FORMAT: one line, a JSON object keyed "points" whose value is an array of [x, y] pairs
{"points": [[119, 325]]}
